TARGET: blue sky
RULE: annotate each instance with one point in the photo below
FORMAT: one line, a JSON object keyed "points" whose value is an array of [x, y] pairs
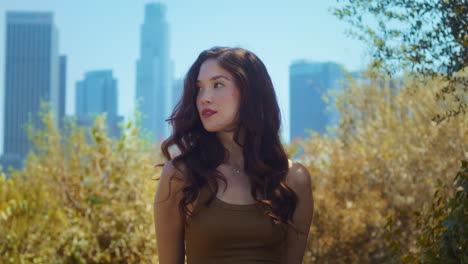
{"points": [[105, 34]]}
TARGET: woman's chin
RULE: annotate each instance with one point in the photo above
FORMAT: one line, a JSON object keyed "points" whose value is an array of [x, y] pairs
{"points": [[211, 129], [217, 129]]}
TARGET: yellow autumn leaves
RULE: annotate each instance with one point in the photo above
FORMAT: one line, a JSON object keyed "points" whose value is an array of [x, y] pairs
{"points": [[86, 198]]}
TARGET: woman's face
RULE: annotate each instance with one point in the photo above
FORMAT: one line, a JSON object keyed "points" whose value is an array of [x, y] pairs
{"points": [[218, 97]]}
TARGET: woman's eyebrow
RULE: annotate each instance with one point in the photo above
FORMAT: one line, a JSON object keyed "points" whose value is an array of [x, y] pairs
{"points": [[216, 77]]}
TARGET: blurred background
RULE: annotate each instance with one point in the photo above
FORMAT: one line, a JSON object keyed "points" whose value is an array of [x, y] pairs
{"points": [[129, 50]]}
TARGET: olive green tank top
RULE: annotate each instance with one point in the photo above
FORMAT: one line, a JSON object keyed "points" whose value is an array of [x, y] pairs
{"points": [[231, 234]]}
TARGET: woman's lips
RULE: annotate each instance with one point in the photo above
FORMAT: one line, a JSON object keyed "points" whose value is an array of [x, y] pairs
{"points": [[208, 112]]}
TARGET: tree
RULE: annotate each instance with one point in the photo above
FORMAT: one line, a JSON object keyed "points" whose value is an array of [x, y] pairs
{"points": [[444, 237], [428, 37]]}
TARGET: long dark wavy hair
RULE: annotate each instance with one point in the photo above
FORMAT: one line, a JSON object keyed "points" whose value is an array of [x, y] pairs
{"points": [[201, 152]]}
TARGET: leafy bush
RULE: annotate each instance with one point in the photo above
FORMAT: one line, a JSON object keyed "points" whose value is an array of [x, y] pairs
{"points": [[444, 237], [388, 155], [85, 198], [80, 200]]}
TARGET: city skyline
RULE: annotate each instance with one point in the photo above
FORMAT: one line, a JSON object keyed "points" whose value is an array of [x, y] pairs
{"points": [[307, 31]]}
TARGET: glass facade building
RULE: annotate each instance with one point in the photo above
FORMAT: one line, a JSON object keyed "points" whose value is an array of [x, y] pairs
{"points": [[97, 94], [153, 72], [309, 82], [31, 77]]}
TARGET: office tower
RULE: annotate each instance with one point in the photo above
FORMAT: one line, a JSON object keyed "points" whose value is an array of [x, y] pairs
{"points": [[153, 80], [62, 89], [31, 77], [97, 94], [308, 83]]}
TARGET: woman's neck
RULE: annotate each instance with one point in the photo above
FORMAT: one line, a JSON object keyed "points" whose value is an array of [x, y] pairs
{"points": [[236, 155]]}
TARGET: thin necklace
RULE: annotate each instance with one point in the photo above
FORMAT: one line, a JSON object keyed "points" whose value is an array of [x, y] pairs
{"points": [[236, 169]]}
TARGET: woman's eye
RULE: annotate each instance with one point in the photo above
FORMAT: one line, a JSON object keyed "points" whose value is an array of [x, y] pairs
{"points": [[218, 85]]}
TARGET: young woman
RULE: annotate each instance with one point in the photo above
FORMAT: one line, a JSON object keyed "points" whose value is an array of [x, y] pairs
{"points": [[231, 195]]}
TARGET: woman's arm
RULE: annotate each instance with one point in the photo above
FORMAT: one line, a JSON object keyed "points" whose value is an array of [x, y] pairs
{"points": [[169, 222], [300, 181]]}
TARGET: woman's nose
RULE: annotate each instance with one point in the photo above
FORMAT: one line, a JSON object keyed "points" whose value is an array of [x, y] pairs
{"points": [[205, 96]]}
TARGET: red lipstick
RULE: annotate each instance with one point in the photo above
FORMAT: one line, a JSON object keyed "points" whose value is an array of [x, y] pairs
{"points": [[208, 112]]}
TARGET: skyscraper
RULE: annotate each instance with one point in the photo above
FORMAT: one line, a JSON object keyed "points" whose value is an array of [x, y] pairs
{"points": [[309, 82], [31, 77], [153, 74], [62, 89], [97, 94]]}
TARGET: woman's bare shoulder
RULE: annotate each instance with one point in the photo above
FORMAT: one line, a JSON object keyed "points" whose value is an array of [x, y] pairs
{"points": [[171, 181], [298, 174], [174, 170]]}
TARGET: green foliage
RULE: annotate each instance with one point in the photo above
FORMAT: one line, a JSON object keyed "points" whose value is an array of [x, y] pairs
{"points": [[428, 37], [444, 233]]}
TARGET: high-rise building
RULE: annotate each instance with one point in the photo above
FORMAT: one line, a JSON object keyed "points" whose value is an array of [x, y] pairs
{"points": [[153, 71], [309, 83], [62, 89], [31, 77], [95, 95]]}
